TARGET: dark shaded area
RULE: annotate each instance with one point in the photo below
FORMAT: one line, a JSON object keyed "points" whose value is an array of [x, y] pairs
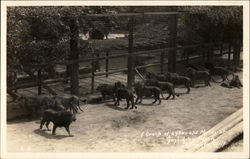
{"points": [[112, 106], [48, 135], [96, 34], [238, 138]]}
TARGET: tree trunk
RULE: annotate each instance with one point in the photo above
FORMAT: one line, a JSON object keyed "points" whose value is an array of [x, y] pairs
{"points": [[172, 43], [209, 53], [187, 41], [131, 74], [162, 61], [107, 63], [229, 53], [74, 55], [236, 54], [39, 81]]}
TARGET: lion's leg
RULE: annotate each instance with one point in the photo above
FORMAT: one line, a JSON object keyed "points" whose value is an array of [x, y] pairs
{"points": [[188, 89], [117, 101], [47, 125], [155, 100], [54, 130], [67, 129], [173, 94], [159, 99], [223, 78], [127, 100], [137, 98], [80, 108], [169, 95], [208, 83], [42, 123], [133, 103], [140, 99], [113, 96], [192, 83]]}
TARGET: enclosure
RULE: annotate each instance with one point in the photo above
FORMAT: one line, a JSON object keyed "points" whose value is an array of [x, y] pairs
{"points": [[61, 51]]}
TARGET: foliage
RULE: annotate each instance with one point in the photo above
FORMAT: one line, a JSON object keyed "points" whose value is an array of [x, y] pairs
{"points": [[212, 23], [40, 35]]}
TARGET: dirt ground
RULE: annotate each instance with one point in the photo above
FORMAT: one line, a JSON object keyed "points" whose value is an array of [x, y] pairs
{"points": [[106, 128]]}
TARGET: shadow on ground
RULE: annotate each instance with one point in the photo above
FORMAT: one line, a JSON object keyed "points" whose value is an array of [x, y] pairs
{"points": [[23, 120], [112, 106], [48, 134], [148, 104]]}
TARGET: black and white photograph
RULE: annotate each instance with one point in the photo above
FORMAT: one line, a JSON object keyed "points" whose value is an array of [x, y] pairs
{"points": [[135, 78]]}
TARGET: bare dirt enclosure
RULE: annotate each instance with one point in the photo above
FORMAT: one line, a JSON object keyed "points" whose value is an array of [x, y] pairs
{"points": [[106, 128]]}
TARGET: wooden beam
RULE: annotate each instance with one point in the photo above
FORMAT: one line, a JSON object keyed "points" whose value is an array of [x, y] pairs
{"points": [[107, 63], [236, 54], [172, 43], [50, 81], [39, 80], [93, 74], [221, 134], [131, 77], [221, 49], [155, 51], [74, 54], [133, 14], [162, 61], [229, 53], [42, 83], [223, 140], [139, 74]]}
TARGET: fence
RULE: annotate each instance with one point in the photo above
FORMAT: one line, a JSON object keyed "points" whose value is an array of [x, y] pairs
{"points": [[106, 56]]}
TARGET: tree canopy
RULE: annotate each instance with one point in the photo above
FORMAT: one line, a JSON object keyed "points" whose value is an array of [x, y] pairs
{"points": [[40, 35], [214, 23]]}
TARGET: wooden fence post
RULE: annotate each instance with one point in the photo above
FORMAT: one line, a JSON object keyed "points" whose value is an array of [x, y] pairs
{"points": [[39, 81], [221, 49], [92, 74], [162, 61], [209, 54], [107, 62], [74, 54], [172, 43], [236, 54], [30, 73], [229, 53], [211, 48], [187, 57], [131, 78], [203, 52], [183, 56]]}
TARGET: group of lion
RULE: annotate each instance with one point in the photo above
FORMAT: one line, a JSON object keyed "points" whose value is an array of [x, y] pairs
{"points": [[62, 110], [154, 85]]}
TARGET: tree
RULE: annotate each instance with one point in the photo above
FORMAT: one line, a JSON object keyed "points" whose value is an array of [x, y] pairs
{"points": [[38, 37], [214, 23]]}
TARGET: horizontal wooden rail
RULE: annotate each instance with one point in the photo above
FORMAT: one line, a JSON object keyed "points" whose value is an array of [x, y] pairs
{"points": [[33, 84], [143, 52], [133, 14], [111, 72], [155, 51]]}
